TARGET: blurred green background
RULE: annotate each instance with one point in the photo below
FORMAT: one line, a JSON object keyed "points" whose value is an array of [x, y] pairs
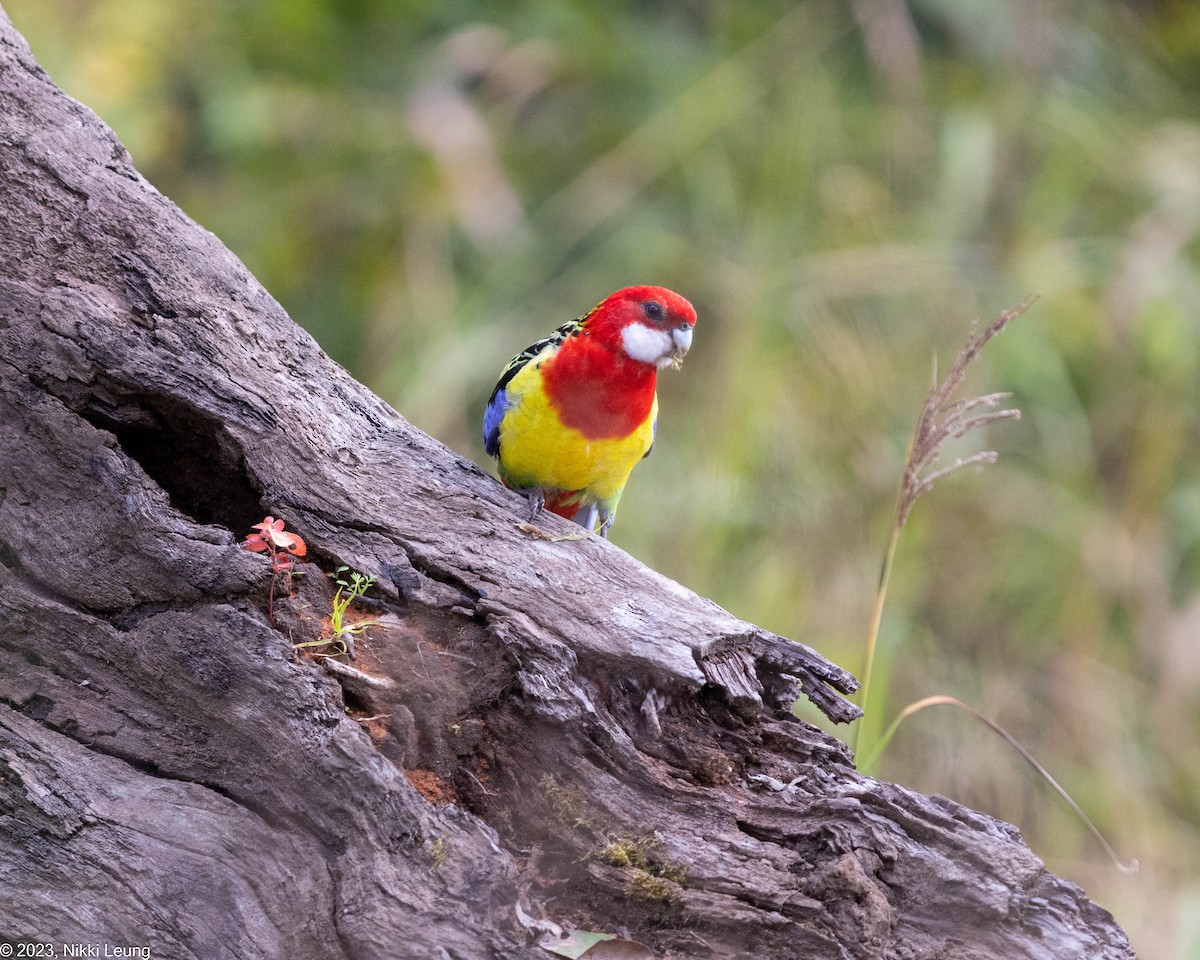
{"points": [[841, 188]]}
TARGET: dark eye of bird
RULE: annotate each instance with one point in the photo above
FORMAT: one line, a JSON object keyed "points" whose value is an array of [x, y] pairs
{"points": [[653, 310]]}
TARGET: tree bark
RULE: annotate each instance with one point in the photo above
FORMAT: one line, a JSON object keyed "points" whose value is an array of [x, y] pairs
{"points": [[536, 729]]}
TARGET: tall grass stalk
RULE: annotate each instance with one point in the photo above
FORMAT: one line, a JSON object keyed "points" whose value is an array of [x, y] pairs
{"points": [[942, 420]]}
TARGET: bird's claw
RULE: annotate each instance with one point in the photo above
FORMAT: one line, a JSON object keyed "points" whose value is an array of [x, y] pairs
{"points": [[586, 517], [537, 500]]}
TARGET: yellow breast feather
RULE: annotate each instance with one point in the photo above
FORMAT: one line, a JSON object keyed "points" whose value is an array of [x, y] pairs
{"points": [[538, 450]]}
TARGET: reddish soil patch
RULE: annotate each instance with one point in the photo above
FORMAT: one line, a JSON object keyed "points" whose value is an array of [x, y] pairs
{"points": [[431, 786]]}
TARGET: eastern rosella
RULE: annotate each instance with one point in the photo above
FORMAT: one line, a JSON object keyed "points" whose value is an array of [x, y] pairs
{"points": [[574, 413]]}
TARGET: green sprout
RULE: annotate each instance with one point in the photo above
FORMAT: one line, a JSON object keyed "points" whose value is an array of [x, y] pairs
{"points": [[342, 634]]}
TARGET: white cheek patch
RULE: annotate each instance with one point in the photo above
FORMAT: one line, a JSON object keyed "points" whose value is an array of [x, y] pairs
{"points": [[646, 344]]}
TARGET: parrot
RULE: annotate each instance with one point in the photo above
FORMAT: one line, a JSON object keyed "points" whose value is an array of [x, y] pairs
{"points": [[574, 413]]}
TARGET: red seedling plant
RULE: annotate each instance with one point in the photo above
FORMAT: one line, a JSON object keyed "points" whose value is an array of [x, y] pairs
{"points": [[281, 549]]}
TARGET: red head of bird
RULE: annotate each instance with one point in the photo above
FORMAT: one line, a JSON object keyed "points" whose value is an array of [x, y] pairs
{"points": [[651, 325]]}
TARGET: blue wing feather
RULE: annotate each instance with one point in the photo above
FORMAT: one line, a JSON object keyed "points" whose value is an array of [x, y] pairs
{"points": [[497, 407], [499, 403], [653, 437]]}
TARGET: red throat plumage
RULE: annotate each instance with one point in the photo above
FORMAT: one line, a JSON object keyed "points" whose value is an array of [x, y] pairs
{"points": [[595, 386]]}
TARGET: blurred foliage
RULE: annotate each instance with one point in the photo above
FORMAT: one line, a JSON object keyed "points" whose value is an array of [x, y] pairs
{"points": [[840, 188]]}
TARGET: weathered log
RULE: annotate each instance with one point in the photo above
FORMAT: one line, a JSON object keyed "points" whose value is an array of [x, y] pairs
{"points": [[533, 721]]}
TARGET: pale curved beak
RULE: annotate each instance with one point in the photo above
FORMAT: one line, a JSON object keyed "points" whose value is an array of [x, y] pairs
{"points": [[681, 337]]}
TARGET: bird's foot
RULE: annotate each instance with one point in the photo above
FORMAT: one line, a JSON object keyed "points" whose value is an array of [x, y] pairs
{"points": [[586, 517], [537, 500], [606, 521]]}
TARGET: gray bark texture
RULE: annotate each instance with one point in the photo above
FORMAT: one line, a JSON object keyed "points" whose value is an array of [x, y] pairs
{"points": [[537, 730]]}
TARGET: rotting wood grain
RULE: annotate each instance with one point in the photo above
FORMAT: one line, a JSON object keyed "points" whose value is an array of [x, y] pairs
{"points": [[552, 721]]}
